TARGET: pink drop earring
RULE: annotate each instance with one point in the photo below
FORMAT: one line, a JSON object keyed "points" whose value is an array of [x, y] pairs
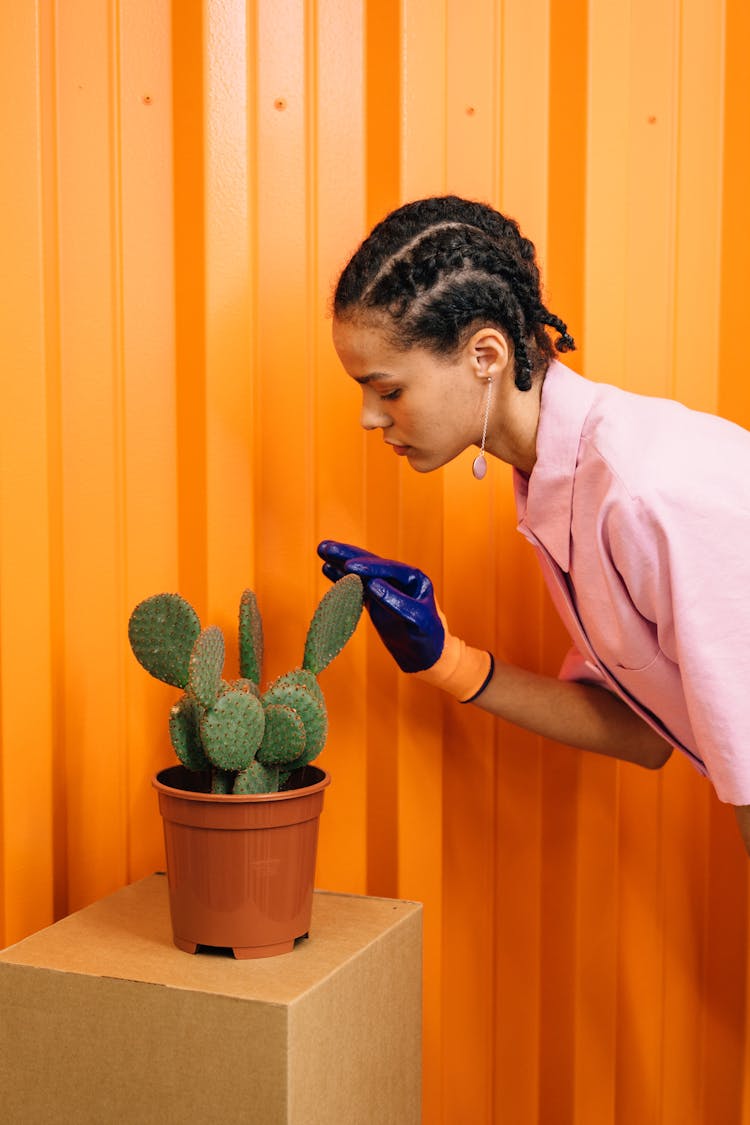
{"points": [[479, 466]]}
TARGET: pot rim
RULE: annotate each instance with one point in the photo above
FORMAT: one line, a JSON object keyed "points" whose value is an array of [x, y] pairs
{"points": [[239, 798]]}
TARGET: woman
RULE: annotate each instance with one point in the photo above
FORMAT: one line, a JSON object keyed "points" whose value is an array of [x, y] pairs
{"points": [[638, 508]]}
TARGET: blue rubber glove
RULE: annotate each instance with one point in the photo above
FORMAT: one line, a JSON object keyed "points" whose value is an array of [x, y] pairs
{"points": [[399, 599], [402, 606]]}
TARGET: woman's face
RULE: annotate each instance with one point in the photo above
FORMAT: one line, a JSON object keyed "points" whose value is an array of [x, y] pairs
{"points": [[429, 409]]}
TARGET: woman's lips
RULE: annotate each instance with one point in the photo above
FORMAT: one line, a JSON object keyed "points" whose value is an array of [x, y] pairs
{"points": [[399, 450]]}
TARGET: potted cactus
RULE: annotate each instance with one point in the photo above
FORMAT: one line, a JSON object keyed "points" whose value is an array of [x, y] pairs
{"points": [[241, 811]]}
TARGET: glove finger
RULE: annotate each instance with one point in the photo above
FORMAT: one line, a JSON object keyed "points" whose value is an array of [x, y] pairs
{"points": [[403, 577], [332, 572], [331, 551]]}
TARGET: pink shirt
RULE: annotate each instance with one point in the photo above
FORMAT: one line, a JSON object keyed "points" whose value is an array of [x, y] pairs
{"points": [[639, 511]]}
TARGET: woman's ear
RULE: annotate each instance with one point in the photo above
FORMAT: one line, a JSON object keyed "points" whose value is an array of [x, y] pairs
{"points": [[489, 352]]}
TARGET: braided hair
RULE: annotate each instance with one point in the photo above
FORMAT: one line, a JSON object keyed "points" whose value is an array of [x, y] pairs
{"points": [[439, 267]]}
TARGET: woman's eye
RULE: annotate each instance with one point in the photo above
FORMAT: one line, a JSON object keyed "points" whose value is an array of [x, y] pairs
{"points": [[391, 395]]}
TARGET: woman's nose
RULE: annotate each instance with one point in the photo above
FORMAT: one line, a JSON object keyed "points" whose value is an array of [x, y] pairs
{"points": [[373, 415]]}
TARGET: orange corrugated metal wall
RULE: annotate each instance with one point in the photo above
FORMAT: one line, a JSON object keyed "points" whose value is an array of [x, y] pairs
{"points": [[179, 186]]}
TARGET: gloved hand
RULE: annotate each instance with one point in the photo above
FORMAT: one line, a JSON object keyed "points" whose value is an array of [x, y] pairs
{"points": [[402, 606]]}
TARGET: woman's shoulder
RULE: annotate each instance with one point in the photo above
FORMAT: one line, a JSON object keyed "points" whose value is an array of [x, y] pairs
{"points": [[635, 456], [661, 449]]}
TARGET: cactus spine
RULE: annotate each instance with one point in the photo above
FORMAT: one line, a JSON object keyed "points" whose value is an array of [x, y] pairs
{"points": [[246, 740]]}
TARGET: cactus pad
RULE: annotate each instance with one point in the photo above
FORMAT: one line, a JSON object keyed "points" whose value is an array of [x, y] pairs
{"points": [[232, 730], [283, 738], [302, 677], [311, 711], [206, 664], [333, 623], [251, 638], [257, 778], [162, 631], [245, 685], [222, 781], [184, 731]]}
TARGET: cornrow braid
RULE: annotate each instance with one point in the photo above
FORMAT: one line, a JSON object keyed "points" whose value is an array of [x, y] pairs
{"points": [[564, 342], [439, 267]]}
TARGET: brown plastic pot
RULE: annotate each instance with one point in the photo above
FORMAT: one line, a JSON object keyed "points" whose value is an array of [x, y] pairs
{"points": [[241, 869]]}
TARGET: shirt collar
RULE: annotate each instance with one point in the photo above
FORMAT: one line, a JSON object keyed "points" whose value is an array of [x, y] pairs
{"points": [[544, 499]]}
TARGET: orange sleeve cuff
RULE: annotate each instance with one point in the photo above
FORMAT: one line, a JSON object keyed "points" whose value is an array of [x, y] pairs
{"points": [[460, 670]]}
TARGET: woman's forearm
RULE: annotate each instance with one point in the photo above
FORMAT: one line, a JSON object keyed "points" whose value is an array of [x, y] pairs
{"points": [[580, 715]]}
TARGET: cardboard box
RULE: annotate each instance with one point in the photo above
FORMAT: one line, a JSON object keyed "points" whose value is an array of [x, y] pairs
{"points": [[103, 1019]]}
